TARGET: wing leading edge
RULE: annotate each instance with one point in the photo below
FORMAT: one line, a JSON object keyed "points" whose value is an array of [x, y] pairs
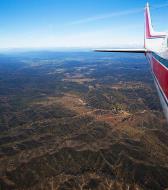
{"points": [[122, 50]]}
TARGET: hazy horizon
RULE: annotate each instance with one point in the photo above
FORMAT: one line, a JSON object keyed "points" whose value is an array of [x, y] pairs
{"points": [[74, 24]]}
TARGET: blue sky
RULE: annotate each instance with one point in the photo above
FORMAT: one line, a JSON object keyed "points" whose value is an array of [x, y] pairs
{"points": [[77, 23]]}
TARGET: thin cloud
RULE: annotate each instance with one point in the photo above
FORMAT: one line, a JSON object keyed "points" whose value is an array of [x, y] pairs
{"points": [[105, 16], [115, 14], [160, 6]]}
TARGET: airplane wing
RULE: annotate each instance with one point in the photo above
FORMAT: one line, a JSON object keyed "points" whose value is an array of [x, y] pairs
{"points": [[122, 50], [155, 44]]}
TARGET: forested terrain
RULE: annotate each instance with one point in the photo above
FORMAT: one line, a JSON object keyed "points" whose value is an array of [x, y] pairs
{"points": [[80, 121]]}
